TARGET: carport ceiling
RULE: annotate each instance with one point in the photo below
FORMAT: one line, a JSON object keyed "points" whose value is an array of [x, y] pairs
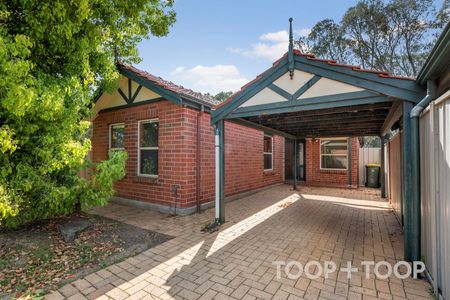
{"points": [[360, 120]]}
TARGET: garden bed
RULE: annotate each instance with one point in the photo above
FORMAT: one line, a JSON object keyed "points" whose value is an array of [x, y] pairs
{"points": [[35, 258]]}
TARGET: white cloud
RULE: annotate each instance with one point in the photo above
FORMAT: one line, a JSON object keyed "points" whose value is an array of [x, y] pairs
{"points": [[210, 79], [276, 37], [272, 45]]}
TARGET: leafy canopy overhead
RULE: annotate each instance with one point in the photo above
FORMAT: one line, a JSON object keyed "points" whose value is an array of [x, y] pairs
{"points": [[54, 54], [394, 36], [222, 96]]}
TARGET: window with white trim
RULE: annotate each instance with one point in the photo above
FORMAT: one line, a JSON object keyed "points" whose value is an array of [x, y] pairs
{"points": [[334, 154], [268, 152], [148, 148], [116, 136]]}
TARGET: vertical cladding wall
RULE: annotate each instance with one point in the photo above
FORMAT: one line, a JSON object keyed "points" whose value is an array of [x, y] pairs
{"points": [[317, 176], [176, 182]]}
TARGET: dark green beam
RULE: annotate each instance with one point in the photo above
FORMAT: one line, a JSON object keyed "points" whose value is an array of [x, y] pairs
{"points": [[305, 87], [325, 121], [323, 112], [280, 91], [267, 129], [410, 236], [261, 83], [123, 95], [401, 89], [307, 104], [136, 93]]}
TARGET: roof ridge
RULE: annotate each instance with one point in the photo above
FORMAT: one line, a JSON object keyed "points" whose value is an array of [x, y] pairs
{"points": [[169, 85]]}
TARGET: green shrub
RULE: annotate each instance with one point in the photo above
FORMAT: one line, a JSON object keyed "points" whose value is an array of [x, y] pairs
{"points": [[54, 56]]}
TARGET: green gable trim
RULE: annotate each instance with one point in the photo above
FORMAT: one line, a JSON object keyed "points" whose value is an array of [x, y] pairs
{"points": [[262, 128], [133, 104], [129, 90], [169, 95], [136, 93], [123, 95], [305, 87], [401, 89], [280, 91], [270, 76], [298, 93], [164, 93], [322, 102]]}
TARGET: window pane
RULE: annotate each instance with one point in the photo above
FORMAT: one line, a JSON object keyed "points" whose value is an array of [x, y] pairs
{"points": [[149, 162], [117, 136], [267, 144], [149, 134], [333, 146], [267, 161], [334, 162]]}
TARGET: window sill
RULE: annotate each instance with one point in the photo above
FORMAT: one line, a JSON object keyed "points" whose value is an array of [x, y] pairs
{"points": [[145, 179], [332, 171], [269, 172]]}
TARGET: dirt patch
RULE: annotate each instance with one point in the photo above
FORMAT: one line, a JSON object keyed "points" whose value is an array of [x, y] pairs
{"points": [[35, 258]]}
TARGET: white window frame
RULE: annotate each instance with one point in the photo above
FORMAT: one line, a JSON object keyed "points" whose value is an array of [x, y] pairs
{"points": [[346, 154], [139, 148], [109, 135], [271, 153]]}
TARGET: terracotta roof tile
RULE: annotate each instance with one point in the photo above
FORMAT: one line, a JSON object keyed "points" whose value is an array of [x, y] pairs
{"points": [[168, 85]]}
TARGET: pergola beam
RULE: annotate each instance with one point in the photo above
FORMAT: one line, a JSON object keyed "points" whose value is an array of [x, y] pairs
{"points": [[342, 116], [319, 112], [305, 105], [330, 122]]}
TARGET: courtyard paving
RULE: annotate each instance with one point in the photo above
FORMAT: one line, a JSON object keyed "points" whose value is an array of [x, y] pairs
{"points": [[236, 262]]}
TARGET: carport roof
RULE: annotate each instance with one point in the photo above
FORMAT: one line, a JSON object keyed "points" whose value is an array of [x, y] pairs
{"points": [[322, 98]]}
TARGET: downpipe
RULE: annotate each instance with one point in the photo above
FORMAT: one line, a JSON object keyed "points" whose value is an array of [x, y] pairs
{"points": [[415, 174], [217, 160]]}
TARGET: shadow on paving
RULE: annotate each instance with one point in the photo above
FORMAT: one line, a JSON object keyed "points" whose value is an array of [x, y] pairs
{"points": [[269, 226]]}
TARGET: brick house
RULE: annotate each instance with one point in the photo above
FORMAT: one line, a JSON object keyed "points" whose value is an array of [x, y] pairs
{"points": [[167, 133]]}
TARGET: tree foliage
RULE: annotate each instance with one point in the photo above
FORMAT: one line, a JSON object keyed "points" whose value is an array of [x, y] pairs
{"points": [[222, 96], [394, 36], [54, 54]]}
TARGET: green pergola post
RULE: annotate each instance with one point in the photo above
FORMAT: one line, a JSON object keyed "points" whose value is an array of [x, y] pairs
{"points": [[220, 171], [295, 163], [410, 213], [383, 169]]}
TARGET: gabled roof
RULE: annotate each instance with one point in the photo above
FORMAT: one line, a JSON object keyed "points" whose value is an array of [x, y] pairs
{"points": [[155, 82], [375, 87], [325, 62]]}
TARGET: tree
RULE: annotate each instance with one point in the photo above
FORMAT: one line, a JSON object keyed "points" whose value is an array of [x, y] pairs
{"points": [[222, 96], [54, 55], [394, 36]]}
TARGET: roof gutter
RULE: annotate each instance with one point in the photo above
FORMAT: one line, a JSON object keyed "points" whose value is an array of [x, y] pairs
{"points": [[415, 174], [437, 57]]}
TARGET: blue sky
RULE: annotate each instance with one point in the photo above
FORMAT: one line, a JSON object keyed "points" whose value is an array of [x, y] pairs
{"points": [[220, 45]]}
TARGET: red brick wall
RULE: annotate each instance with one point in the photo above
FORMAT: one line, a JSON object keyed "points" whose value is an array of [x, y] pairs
{"points": [[176, 182], [316, 176]]}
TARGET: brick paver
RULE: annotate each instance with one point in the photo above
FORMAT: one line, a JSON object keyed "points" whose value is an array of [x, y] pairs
{"points": [[236, 262]]}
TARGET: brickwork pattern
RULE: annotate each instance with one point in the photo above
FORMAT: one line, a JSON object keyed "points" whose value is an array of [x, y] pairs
{"points": [[334, 178], [236, 262], [177, 180]]}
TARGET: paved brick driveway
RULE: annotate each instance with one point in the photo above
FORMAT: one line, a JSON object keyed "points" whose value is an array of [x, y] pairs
{"points": [[236, 263]]}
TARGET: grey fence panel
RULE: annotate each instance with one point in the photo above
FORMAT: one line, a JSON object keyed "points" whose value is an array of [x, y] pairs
{"points": [[435, 192]]}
